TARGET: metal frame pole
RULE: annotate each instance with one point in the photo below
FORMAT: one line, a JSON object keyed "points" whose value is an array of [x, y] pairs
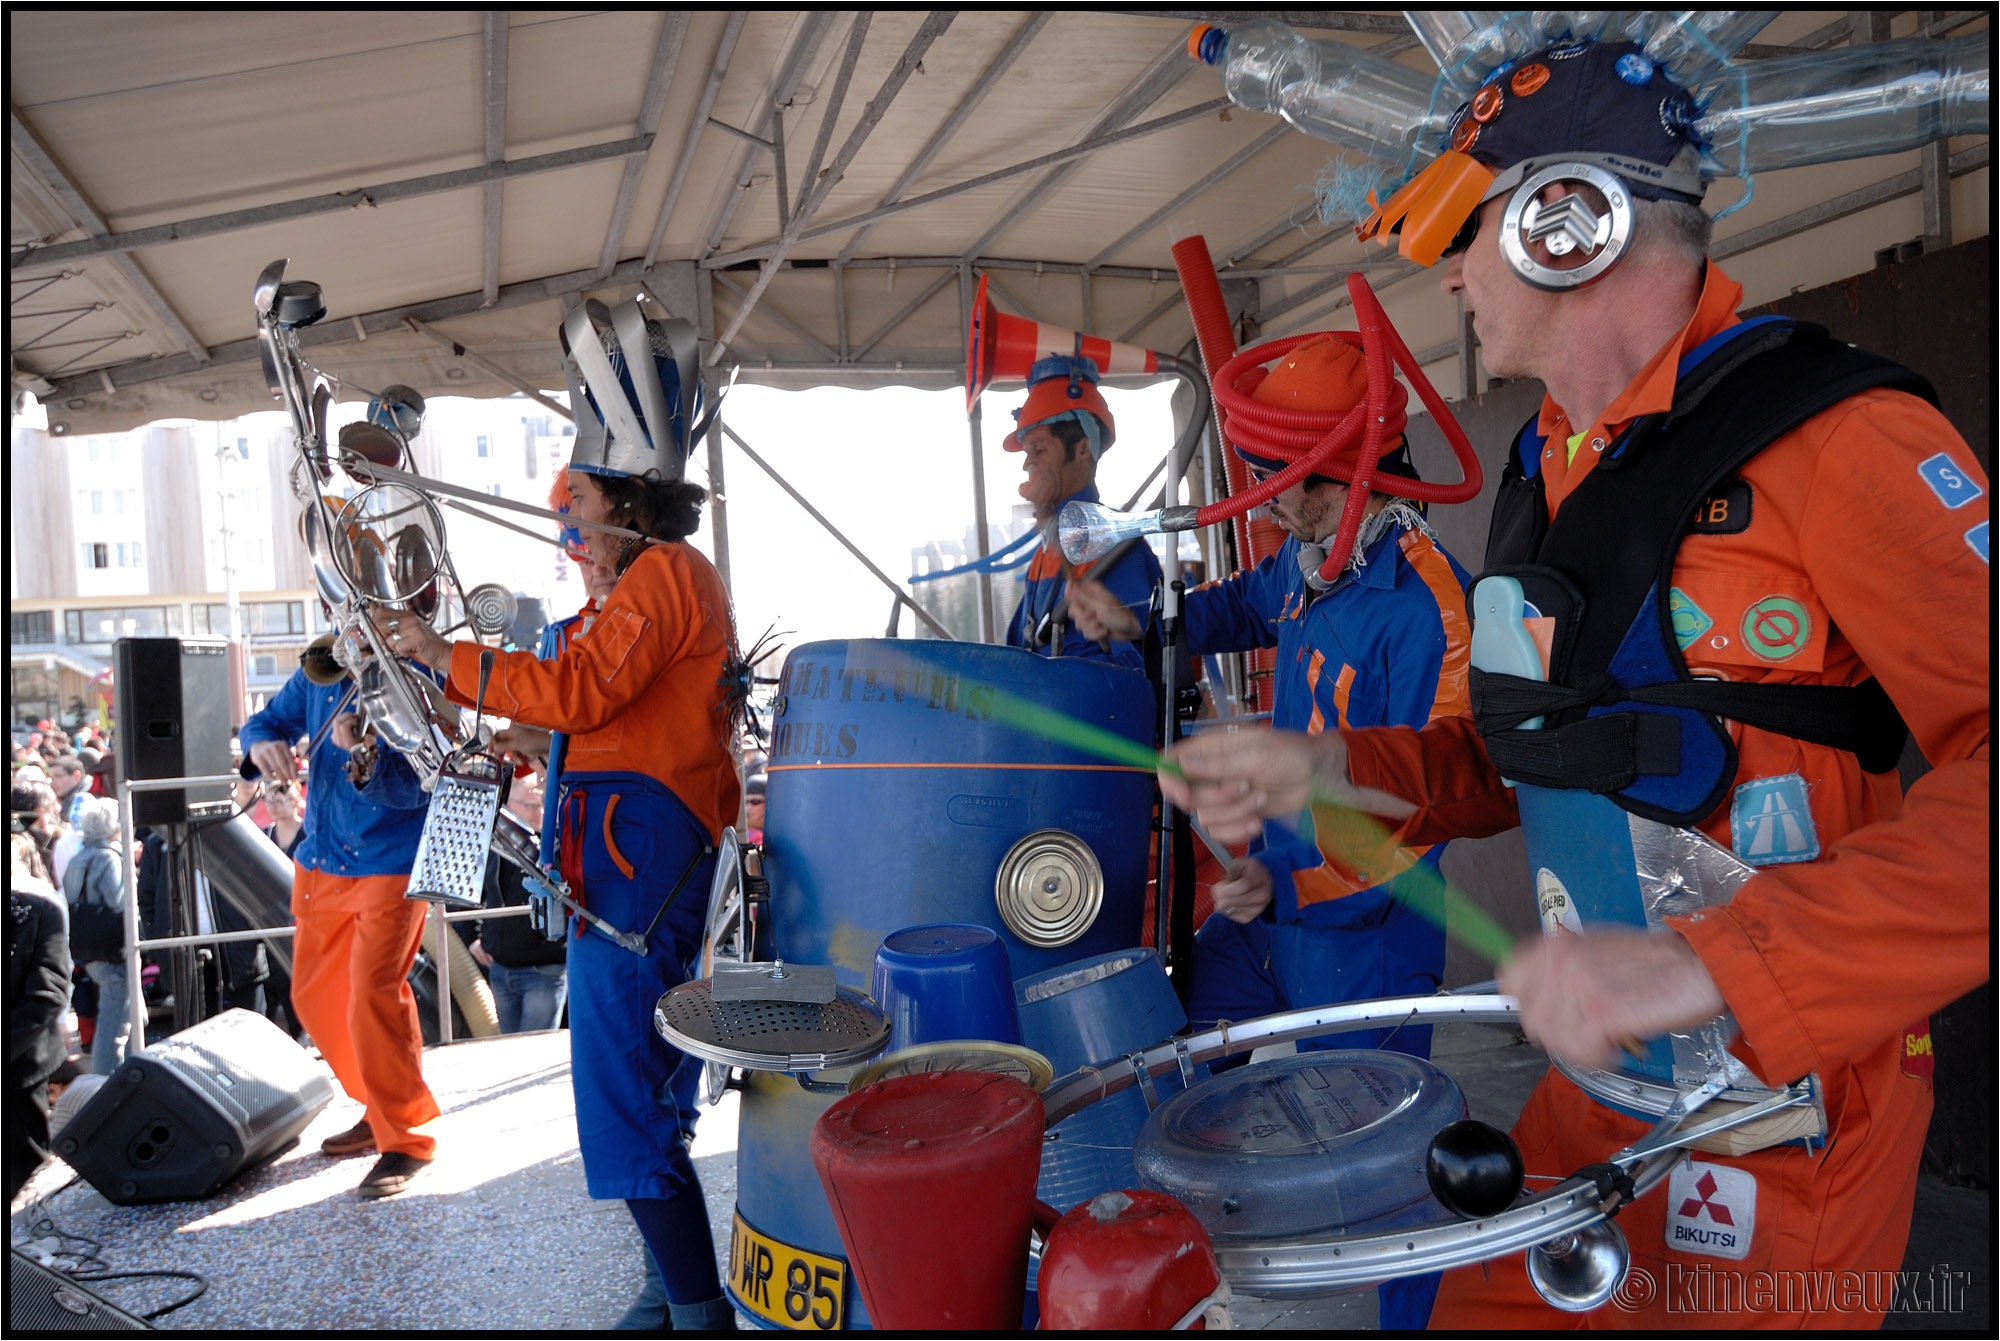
{"points": [[835, 532], [988, 619]]}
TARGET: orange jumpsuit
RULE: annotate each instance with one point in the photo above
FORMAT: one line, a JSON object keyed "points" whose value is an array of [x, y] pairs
{"points": [[1867, 536]]}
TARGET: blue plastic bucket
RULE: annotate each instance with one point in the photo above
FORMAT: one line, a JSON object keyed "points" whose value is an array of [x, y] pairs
{"points": [[945, 981], [1095, 1013]]}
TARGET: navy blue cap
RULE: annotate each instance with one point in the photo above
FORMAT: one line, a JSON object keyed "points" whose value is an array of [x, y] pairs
{"points": [[1606, 102], [1393, 463]]}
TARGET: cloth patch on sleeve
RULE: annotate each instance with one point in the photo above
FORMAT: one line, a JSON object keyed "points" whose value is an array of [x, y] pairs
{"points": [[1724, 512], [1979, 538], [1953, 486], [1690, 620], [1919, 1059], [1770, 822], [1711, 1210]]}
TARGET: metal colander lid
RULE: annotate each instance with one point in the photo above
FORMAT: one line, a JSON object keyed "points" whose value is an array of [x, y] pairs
{"points": [[772, 1035], [960, 1054]]}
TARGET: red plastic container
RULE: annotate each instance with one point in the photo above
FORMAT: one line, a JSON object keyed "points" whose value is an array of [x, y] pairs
{"points": [[1131, 1261], [932, 1182]]}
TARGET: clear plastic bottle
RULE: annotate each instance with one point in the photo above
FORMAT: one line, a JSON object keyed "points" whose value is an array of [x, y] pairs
{"points": [[1326, 88], [1829, 105], [1466, 44], [1692, 44]]}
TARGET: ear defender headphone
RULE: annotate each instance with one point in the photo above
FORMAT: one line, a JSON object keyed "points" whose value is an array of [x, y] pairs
{"points": [[1569, 226]]}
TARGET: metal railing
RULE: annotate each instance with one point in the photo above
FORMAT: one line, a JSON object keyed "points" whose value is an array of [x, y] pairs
{"points": [[135, 947]]}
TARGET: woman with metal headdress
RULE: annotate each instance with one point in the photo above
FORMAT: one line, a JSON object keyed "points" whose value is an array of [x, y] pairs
{"points": [[647, 781]]}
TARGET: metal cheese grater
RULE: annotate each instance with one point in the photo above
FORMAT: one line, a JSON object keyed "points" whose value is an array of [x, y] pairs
{"points": [[458, 832]]}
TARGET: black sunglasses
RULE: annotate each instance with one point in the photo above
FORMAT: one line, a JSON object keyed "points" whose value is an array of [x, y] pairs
{"points": [[1462, 239]]}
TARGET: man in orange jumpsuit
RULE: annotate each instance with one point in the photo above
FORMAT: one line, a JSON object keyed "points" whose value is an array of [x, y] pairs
{"points": [[357, 935], [1840, 545]]}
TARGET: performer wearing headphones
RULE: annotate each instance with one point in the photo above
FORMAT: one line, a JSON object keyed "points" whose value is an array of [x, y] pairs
{"points": [[1061, 431], [1753, 547], [644, 696], [1384, 644]]}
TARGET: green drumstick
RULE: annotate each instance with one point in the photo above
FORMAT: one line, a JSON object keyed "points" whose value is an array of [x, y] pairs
{"points": [[1355, 836]]}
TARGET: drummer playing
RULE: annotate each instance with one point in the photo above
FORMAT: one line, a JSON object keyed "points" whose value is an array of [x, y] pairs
{"points": [[1861, 552], [1383, 645]]}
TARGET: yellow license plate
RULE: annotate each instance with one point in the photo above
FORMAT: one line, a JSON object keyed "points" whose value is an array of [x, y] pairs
{"points": [[798, 1290]]}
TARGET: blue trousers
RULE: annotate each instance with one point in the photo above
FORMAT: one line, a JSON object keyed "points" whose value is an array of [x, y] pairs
{"points": [[529, 998], [631, 1120], [114, 1015]]}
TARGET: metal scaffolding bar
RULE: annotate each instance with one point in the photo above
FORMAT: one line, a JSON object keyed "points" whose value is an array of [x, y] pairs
{"points": [[774, 314], [42, 164], [835, 532], [718, 68], [493, 51], [811, 30], [666, 59], [932, 28], [1167, 69], [487, 366], [960, 114], [1237, 159], [857, 36], [723, 260], [333, 202]]}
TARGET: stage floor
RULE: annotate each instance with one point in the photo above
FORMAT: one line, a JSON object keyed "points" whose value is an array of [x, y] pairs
{"points": [[498, 1235]]}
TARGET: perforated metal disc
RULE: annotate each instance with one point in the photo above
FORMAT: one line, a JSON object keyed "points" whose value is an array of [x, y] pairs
{"points": [[1049, 888], [772, 1035], [960, 1054]]}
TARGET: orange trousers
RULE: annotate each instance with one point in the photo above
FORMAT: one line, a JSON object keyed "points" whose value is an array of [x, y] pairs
{"points": [[1826, 1229], [357, 937]]}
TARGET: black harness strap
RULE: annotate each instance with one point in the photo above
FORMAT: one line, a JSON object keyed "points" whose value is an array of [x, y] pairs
{"points": [[1742, 398]]}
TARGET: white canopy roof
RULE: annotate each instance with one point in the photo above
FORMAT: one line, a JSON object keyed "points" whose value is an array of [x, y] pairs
{"points": [[454, 179]]}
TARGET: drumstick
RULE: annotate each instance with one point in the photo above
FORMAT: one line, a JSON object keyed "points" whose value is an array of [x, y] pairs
{"points": [[1356, 837], [1434, 898]]}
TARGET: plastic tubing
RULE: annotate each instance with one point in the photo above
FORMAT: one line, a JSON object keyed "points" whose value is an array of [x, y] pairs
{"points": [[1217, 343], [1829, 105], [1314, 439]]}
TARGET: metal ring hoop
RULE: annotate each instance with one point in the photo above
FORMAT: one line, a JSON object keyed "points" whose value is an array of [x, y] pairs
{"points": [[1523, 205], [1317, 1264]]}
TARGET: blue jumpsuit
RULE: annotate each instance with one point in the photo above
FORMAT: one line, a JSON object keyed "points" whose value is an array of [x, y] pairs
{"points": [[647, 783], [1388, 645], [1132, 580]]}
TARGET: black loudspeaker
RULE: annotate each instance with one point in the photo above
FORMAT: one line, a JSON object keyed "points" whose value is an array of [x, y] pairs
{"points": [[172, 703], [184, 1117], [42, 1299]]}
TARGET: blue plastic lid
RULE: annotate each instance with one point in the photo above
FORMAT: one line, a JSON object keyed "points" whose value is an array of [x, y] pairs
{"points": [[1320, 1141]]}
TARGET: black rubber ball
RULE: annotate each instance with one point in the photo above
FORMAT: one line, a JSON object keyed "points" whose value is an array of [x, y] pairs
{"points": [[1474, 1169]]}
